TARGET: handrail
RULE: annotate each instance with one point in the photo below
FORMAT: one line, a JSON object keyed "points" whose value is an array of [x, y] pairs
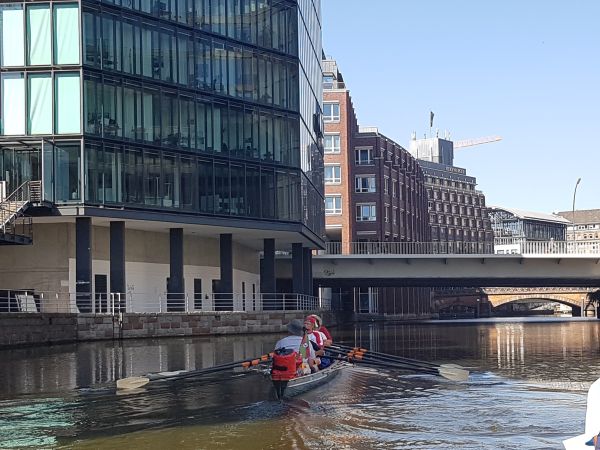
{"points": [[26, 192], [18, 194], [113, 303], [518, 247]]}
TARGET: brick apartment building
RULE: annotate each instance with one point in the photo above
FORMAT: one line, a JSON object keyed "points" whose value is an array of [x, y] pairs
{"points": [[374, 192]]}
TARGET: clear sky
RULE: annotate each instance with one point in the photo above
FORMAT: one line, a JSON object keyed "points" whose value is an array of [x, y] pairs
{"points": [[527, 70]]}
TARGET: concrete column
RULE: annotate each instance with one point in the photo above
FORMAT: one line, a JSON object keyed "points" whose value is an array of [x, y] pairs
{"points": [[310, 273], [267, 281], [226, 285], [83, 264], [224, 301], [297, 269], [306, 263], [117, 257], [175, 287]]}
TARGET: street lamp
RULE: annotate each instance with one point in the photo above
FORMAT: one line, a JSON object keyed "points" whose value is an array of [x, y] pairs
{"points": [[573, 215]]}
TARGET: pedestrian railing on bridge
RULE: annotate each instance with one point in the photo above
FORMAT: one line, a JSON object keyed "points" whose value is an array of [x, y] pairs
{"points": [[14, 301], [500, 246]]}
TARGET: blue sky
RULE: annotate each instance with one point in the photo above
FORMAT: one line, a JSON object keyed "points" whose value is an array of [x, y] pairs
{"points": [[527, 70]]}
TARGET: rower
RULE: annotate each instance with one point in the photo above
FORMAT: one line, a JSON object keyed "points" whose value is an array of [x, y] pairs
{"points": [[320, 327], [310, 323], [289, 357]]}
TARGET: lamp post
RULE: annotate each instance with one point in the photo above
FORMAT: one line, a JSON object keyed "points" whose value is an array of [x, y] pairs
{"points": [[573, 215]]}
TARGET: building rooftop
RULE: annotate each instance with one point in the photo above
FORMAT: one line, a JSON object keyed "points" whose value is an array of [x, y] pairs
{"points": [[445, 171], [582, 216], [332, 77], [531, 215]]}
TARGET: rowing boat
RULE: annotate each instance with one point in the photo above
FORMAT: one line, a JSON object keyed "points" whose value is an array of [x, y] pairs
{"points": [[305, 383]]}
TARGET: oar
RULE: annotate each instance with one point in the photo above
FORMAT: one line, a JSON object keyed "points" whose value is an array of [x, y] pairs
{"points": [[137, 382], [451, 373], [397, 358], [388, 365]]}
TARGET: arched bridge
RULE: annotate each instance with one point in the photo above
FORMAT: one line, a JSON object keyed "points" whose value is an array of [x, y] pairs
{"points": [[574, 297]]}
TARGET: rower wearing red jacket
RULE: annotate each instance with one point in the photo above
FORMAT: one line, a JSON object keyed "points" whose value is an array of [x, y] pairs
{"points": [[312, 324], [320, 327]]}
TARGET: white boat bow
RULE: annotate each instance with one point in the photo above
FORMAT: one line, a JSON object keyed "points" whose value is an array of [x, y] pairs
{"points": [[592, 421]]}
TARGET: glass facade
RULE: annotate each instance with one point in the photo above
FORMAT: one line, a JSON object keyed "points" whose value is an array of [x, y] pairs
{"points": [[508, 224], [203, 106]]}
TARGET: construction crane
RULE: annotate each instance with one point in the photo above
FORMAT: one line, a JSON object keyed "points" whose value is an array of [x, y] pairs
{"points": [[477, 141]]}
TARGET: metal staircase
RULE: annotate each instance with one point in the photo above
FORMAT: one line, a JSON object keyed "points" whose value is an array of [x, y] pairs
{"points": [[16, 228]]}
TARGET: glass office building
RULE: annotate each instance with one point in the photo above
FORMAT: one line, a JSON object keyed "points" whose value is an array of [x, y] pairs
{"points": [[199, 118], [201, 107]]}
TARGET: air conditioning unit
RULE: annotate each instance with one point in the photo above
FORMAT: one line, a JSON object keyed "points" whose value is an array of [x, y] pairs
{"points": [[3, 190]]}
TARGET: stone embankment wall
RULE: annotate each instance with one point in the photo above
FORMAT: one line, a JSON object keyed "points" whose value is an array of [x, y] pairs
{"points": [[35, 329]]}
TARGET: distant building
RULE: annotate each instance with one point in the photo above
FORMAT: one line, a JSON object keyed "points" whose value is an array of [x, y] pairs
{"points": [[436, 150], [585, 224], [457, 211], [512, 227]]}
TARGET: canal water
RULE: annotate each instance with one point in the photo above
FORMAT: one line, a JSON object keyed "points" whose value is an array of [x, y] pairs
{"points": [[527, 390]]}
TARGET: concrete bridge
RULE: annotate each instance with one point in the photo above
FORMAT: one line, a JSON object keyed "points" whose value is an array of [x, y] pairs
{"points": [[455, 270], [394, 264]]}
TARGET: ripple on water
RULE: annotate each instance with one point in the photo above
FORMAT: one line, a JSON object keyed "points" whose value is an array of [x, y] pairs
{"points": [[528, 391]]}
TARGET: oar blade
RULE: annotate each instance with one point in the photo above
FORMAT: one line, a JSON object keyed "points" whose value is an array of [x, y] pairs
{"points": [[453, 373], [453, 366], [132, 382]]}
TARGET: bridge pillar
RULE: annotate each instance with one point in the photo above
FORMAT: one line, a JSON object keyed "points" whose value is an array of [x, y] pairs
{"points": [[576, 311]]}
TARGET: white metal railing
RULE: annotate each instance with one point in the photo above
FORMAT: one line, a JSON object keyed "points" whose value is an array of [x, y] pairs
{"points": [[408, 248], [504, 246], [523, 247], [19, 301]]}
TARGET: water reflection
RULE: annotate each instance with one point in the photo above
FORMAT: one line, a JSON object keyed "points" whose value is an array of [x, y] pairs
{"points": [[66, 367], [527, 391]]}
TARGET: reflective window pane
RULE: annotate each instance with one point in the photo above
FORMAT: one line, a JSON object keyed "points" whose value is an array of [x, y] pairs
{"points": [[13, 104], [38, 35], [66, 33], [67, 103], [39, 111], [13, 36]]}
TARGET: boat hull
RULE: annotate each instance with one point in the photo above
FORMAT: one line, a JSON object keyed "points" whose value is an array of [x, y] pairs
{"points": [[306, 383]]}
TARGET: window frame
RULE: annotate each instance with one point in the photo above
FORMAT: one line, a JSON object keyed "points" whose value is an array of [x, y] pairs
{"points": [[332, 150], [371, 217], [332, 118], [333, 180], [360, 162], [360, 189], [335, 211]]}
